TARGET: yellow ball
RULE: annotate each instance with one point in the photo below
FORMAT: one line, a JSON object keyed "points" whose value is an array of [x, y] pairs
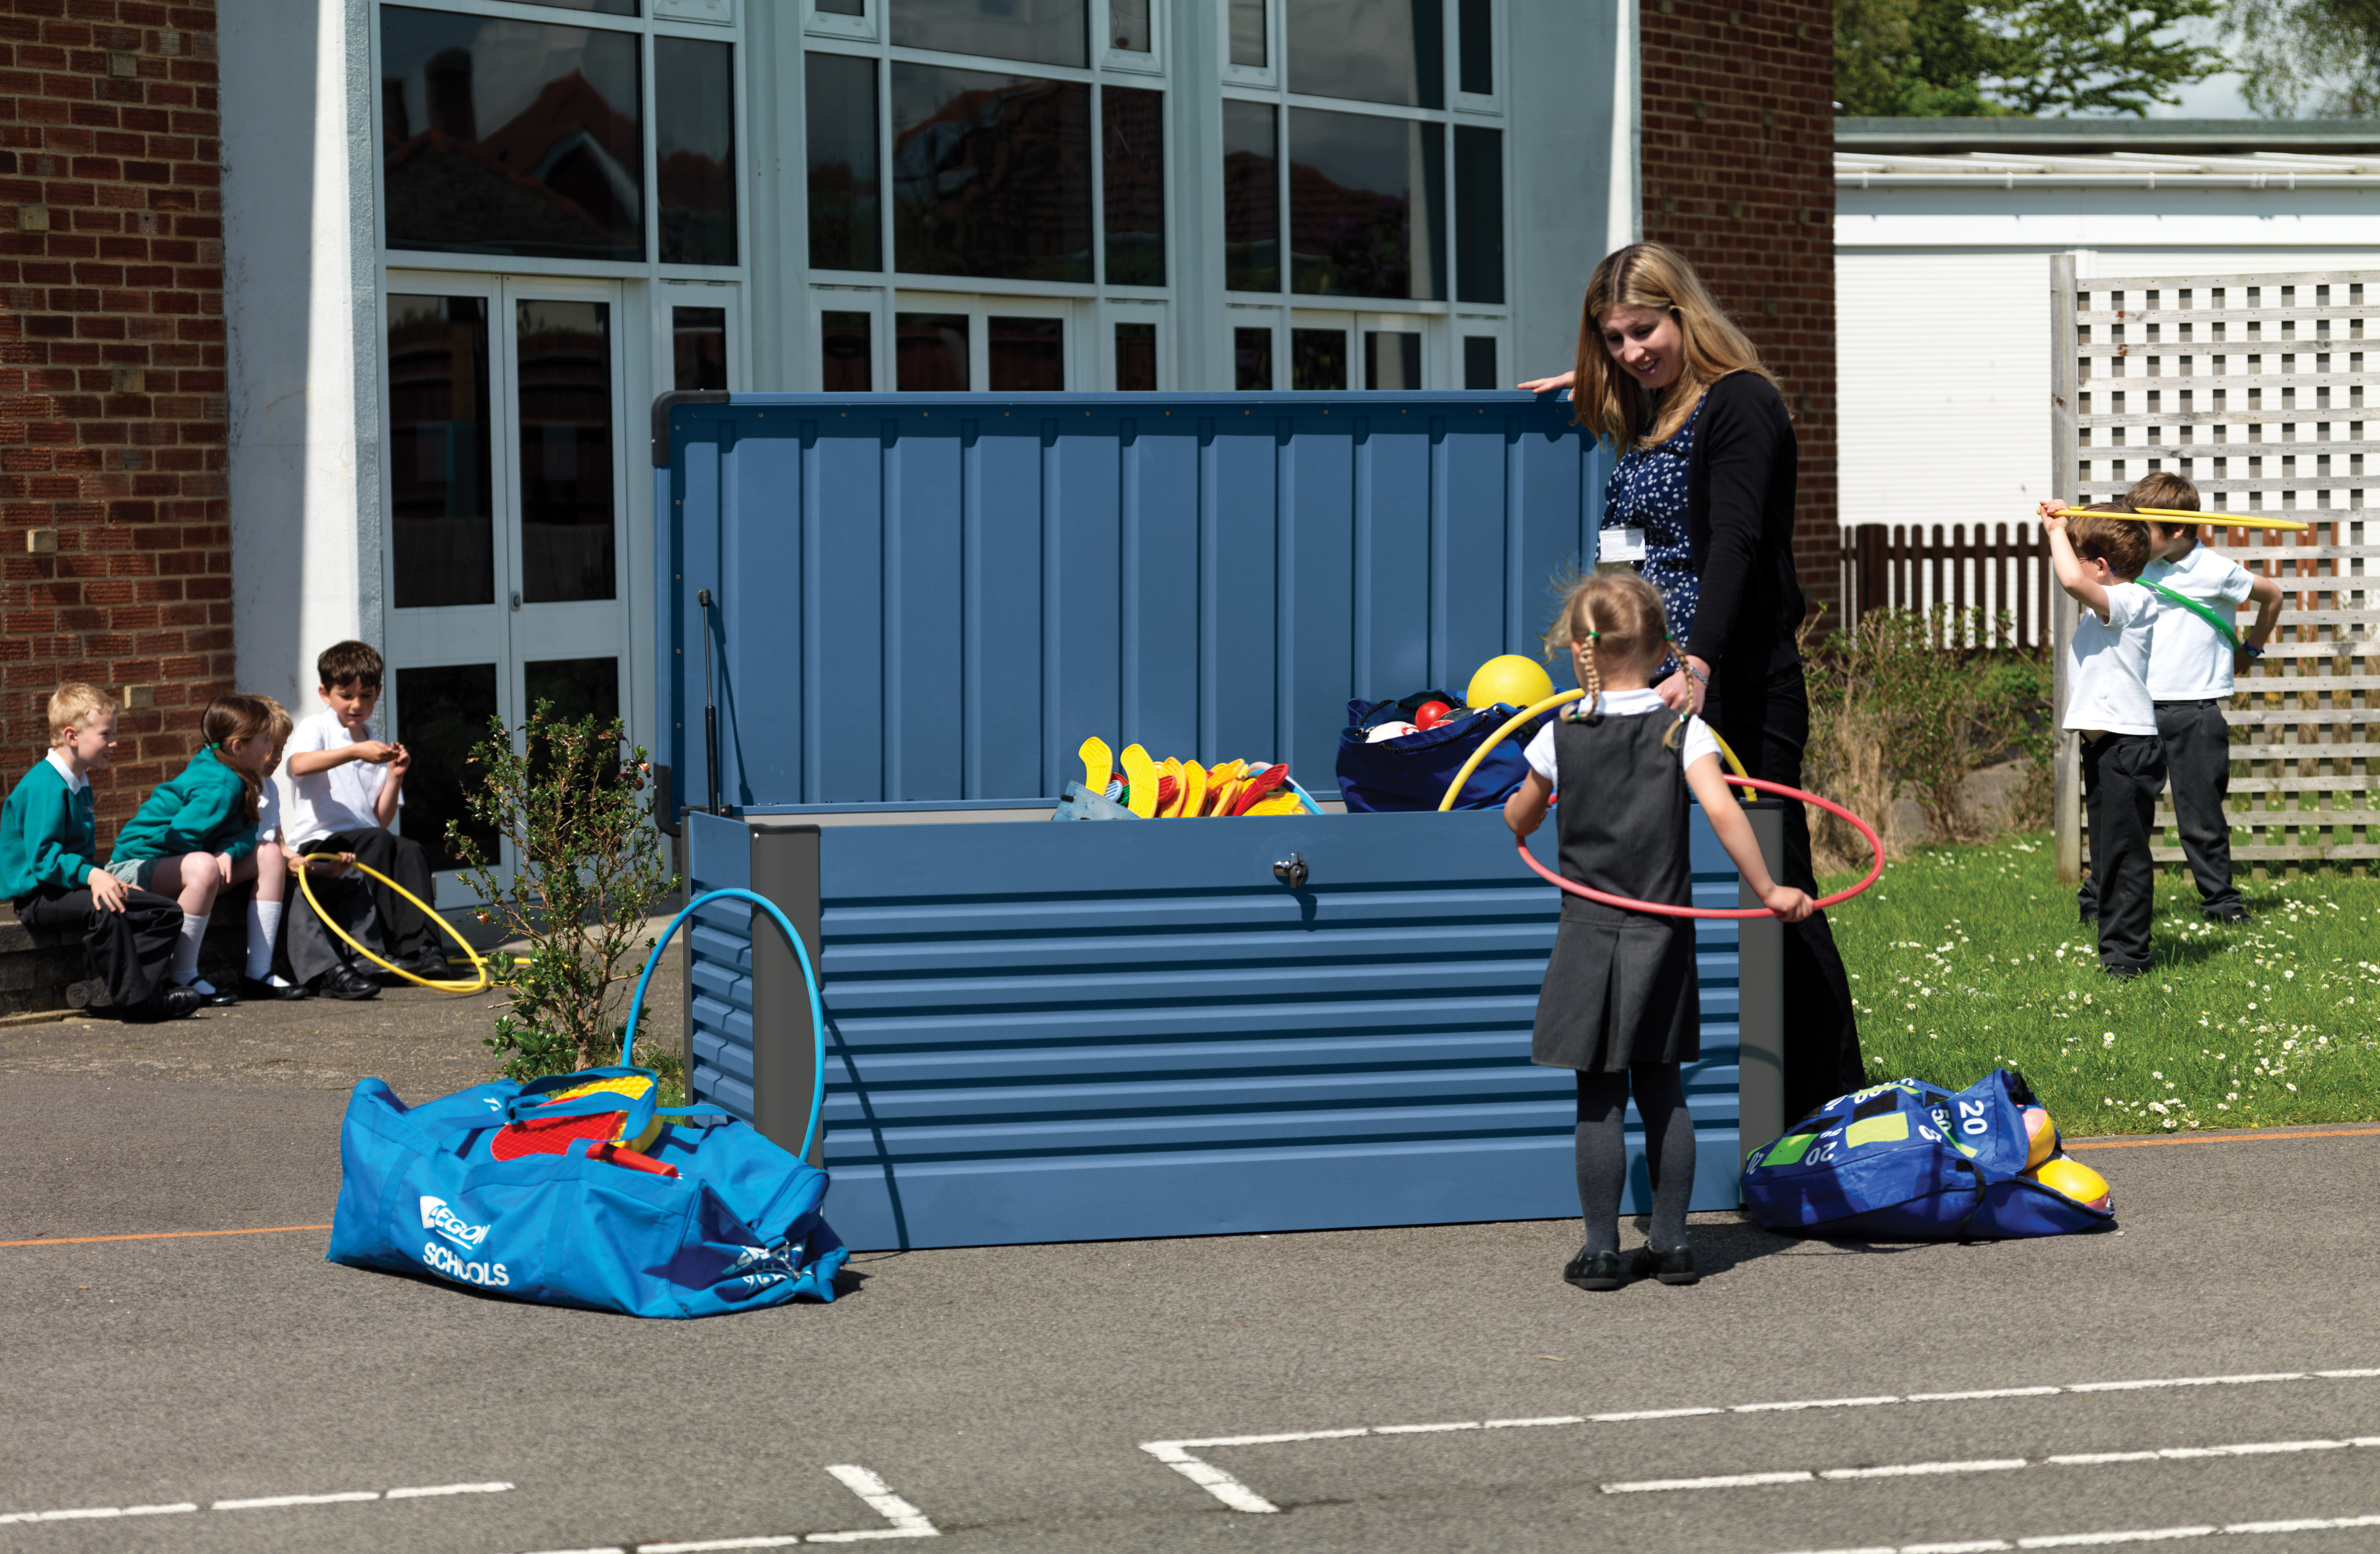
{"points": [[2042, 1136], [2065, 1174], [1511, 678]]}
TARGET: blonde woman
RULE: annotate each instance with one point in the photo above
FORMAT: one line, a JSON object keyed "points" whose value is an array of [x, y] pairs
{"points": [[1701, 502]]}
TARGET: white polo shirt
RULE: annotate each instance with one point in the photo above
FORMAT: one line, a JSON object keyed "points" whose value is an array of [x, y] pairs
{"points": [[2108, 665], [343, 798], [2190, 661], [1698, 741]]}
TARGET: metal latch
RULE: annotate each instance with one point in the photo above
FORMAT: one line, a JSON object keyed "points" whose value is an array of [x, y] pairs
{"points": [[1292, 870]]}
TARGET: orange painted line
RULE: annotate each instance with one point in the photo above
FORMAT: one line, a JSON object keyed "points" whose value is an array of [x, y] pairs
{"points": [[2229, 1138], [172, 1235]]}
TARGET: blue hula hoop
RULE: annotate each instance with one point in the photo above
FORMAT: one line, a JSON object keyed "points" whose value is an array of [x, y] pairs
{"points": [[809, 976]]}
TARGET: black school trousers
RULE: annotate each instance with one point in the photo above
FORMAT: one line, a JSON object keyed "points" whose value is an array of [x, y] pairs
{"points": [[130, 950], [2197, 742], [2121, 776], [1768, 726], [404, 928]]}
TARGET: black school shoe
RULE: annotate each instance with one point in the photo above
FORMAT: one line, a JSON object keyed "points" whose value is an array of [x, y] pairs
{"points": [[2237, 915], [268, 991], [2124, 972], [1594, 1270], [343, 982], [425, 963], [1675, 1265], [210, 996]]}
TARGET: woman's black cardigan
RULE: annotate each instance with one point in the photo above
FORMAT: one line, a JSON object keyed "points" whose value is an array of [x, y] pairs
{"points": [[1740, 488]]}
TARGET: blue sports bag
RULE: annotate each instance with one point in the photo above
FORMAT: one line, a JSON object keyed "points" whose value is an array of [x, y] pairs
{"points": [[535, 1191], [1413, 772], [1910, 1161]]}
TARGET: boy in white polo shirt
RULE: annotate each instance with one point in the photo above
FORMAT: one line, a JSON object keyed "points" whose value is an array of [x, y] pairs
{"points": [[2107, 703], [2192, 659], [346, 787]]}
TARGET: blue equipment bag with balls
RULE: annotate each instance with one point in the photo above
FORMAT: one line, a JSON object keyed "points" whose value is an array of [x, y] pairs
{"points": [[577, 1190], [1412, 771], [1910, 1161]]}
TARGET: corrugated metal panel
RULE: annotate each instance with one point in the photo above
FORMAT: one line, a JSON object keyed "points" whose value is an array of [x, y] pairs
{"points": [[719, 966], [1075, 1032], [936, 598]]}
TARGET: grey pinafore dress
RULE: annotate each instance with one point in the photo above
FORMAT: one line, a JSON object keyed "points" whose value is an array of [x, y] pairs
{"points": [[1619, 988]]}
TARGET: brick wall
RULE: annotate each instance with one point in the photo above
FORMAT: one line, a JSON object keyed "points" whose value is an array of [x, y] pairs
{"points": [[114, 522], [1738, 174]]}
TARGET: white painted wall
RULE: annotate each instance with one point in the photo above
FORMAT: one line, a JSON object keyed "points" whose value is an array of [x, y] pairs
{"points": [[301, 313], [1942, 317]]}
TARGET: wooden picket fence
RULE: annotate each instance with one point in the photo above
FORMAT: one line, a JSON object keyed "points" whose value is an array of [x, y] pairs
{"points": [[1902, 566]]}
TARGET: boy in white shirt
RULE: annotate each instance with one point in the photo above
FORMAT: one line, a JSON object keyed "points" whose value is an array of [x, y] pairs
{"points": [[2096, 560], [346, 787], [2194, 653]]}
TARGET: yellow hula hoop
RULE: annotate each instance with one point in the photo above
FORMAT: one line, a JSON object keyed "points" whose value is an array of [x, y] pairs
{"points": [[1454, 789], [456, 985]]}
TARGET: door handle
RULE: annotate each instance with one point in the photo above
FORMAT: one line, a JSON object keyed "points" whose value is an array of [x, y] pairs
{"points": [[516, 598]]}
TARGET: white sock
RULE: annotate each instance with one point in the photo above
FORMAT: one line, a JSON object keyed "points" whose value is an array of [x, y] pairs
{"points": [[185, 950], [263, 926]]}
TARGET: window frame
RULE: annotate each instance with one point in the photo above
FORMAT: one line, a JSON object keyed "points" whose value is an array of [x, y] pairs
{"points": [[1442, 347]]}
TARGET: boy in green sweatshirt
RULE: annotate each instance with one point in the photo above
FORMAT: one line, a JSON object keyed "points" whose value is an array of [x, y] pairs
{"points": [[48, 846]]}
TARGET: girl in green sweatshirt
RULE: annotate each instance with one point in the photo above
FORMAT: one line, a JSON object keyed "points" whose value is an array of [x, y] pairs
{"points": [[197, 833]]}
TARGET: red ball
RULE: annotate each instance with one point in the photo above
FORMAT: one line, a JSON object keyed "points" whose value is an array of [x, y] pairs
{"points": [[1429, 714]]}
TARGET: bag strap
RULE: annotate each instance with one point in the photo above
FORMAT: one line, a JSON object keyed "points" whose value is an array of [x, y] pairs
{"points": [[2195, 608]]}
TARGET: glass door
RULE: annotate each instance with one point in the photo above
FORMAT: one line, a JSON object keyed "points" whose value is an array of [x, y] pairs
{"points": [[507, 505]]}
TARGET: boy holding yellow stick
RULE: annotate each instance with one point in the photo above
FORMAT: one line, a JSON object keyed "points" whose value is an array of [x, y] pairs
{"points": [[2194, 653]]}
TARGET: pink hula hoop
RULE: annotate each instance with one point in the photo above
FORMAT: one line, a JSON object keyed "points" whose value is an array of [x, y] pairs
{"points": [[1875, 872]]}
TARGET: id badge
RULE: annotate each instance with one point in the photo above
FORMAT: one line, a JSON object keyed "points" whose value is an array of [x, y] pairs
{"points": [[1622, 544]]}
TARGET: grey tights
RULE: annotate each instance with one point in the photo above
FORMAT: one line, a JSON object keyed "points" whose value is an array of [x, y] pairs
{"points": [[1603, 1152]]}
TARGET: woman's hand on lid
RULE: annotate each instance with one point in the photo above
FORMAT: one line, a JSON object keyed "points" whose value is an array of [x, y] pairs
{"points": [[1546, 386]]}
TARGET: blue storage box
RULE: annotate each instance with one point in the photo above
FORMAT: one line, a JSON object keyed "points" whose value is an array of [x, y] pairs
{"points": [[1046, 1032]]}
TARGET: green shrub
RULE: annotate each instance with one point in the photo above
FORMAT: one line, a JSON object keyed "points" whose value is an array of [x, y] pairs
{"points": [[1917, 702], [574, 814]]}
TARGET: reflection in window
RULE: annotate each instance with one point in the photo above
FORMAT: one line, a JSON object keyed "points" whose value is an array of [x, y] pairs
{"points": [[1374, 51], [1479, 362], [846, 353], [1248, 34], [1317, 358], [1366, 201], [441, 479], [608, 7], [694, 134], [575, 690], [1391, 360], [1133, 126], [442, 712], [1026, 356], [1135, 357], [841, 7], [1251, 197], [992, 175], [930, 353], [698, 347], [1045, 31], [1252, 358], [1478, 213], [565, 451], [1128, 26], [843, 177], [507, 137], [1475, 42]]}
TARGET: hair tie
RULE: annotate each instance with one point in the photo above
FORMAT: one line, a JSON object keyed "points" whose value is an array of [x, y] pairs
{"points": [[1595, 635]]}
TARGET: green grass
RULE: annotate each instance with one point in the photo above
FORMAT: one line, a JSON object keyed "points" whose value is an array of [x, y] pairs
{"points": [[1964, 959]]}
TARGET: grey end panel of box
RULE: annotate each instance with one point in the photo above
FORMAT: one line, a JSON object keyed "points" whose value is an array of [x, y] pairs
{"points": [[786, 870], [1760, 984]]}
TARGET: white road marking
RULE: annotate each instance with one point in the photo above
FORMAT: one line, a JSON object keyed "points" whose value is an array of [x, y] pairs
{"points": [[1178, 1454], [906, 1521], [265, 1502], [1994, 1465], [2131, 1535]]}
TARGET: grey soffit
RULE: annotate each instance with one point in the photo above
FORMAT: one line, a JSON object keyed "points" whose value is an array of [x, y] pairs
{"points": [[2031, 136]]}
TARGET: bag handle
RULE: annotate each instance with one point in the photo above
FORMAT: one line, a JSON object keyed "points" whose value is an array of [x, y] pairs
{"points": [[809, 979]]}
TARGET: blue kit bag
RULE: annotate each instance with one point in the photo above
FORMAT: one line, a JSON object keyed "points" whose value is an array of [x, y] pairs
{"points": [[1910, 1161], [1412, 771], [556, 1190]]}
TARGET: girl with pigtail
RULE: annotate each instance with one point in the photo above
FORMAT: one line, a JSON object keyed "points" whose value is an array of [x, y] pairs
{"points": [[1619, 1003]]}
